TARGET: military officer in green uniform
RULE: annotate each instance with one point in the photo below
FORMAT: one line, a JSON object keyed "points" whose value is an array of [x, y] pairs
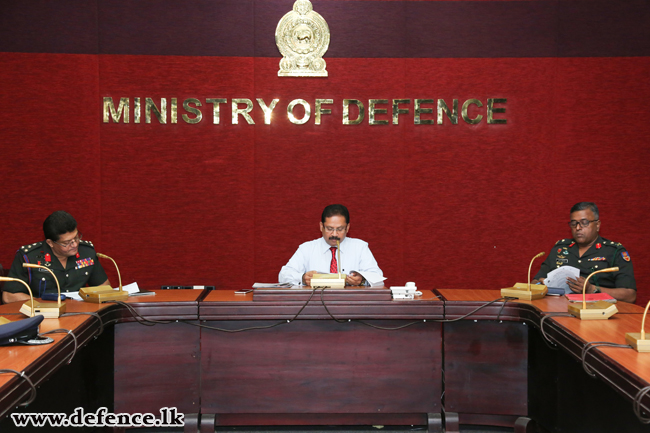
{"points": [[589, 252], [72, 260]]}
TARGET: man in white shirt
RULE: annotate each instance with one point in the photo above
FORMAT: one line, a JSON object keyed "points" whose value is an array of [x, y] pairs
{"points": [[320, 256]]}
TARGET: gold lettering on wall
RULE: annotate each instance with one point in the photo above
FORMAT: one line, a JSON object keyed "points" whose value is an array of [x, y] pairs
{"points": [[397, 111], [122, 110], [137, 110], [491, 110], [320, 110], [346, 111], [174, 111], [451, 115], [419, 111], [305, 117], [464, 111], [372, 110], [472, 111], [215, 108], [243, 111], [268, 110], [187, 107], [150, 106]]}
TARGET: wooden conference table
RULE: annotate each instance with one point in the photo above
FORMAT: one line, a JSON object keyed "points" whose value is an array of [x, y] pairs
{"points": [[352, 357]]}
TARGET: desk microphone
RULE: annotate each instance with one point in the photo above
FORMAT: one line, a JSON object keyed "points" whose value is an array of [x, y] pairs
{"points": [[50, 310], [526, 291], [637, 340], [600, 310], [330, 281], [31, 308], [99, 294], [338, 253], [119, 277]]}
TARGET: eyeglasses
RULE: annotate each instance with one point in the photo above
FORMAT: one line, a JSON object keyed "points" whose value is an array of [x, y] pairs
{"points": [[68, 244], [583, 223], [335, 229]]}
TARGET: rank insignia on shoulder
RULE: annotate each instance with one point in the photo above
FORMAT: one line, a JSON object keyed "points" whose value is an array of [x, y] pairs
{"points": [[597, 259], [31, 247], [626, 256]]}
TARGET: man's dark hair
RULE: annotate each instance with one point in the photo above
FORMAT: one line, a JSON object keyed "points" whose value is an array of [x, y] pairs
{"points": [[335, 210], [57, 224], [584, 205]]}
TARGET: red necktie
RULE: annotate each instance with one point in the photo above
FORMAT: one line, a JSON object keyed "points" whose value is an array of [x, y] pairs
{"points": [[333, 267]]}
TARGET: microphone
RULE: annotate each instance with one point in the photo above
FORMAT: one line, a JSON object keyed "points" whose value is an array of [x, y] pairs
{"points": [[338, 253], [47, 309], [330, 281], [600, 310], [637, 340], [31, 297], [526, 291], [119, 277], [99, 294]]}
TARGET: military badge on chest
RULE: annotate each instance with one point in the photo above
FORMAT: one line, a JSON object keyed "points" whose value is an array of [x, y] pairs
{"points": [[47, 261], [562, 256], [84, 263]]}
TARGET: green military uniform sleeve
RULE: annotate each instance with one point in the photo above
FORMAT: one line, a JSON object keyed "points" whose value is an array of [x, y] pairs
{"points": [[625, 276]]}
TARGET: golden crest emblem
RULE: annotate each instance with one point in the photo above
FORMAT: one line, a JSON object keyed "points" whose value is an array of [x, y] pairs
{"points": [[303, 37]]}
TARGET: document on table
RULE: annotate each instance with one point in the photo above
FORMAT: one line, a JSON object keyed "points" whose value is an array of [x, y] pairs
{"points": [[557, 277], [130, 288], [373, 278], [272, 285]]}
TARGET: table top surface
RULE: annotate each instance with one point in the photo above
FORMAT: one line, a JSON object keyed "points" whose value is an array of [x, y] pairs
{"points": [[628, 320]]}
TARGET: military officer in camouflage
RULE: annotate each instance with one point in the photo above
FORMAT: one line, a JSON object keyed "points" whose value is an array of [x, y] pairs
{"points": [[589, 252], [72, 260]]}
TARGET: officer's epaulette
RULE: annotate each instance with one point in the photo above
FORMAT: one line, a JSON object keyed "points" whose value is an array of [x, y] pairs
{"points": [[86, 243], [564, 242], [612, 243], [30, 247]]}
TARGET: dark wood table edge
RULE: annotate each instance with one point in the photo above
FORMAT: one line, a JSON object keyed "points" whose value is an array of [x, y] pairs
{"points": [[17, 390], [621, 379]]}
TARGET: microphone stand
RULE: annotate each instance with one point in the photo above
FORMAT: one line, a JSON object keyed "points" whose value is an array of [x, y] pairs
{"points": [[600, 310]]}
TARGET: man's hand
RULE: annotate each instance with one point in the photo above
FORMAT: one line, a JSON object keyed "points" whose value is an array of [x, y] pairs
{"points": [[306, 277], [8, 297], [575, 284], [354, 279]]}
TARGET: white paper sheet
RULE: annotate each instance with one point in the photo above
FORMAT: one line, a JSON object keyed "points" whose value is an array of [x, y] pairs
{"points": [[374, 279], [557, 277]]}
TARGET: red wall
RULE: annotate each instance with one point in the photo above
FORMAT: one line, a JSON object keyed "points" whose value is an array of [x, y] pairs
{"points": [[446, 206]]}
